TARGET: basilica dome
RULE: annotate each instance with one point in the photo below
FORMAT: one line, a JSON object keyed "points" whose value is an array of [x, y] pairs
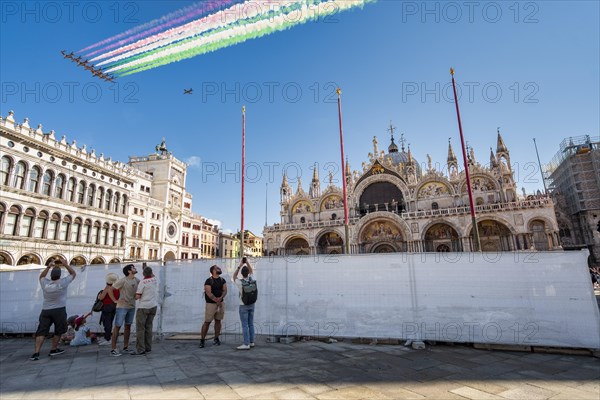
{"points": [[401, 157]]}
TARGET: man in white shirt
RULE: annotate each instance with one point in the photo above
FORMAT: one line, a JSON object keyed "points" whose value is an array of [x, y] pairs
{"points": [[54, 311], [246, 308], [147, 296]]}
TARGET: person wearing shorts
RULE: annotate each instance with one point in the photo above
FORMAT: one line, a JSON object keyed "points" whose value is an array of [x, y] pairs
{"points": [[54, 309], [215, 290], [125, 309]]}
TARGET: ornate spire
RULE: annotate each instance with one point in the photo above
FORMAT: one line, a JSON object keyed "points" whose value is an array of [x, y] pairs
{"points": [[299, 189], [501, 147], [493, 162], [410, 158], [348, 172], [285, 191], [451, 155], [284, 182], [315, 185]]}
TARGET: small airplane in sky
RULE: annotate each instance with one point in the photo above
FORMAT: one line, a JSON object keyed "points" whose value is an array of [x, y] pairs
{"points": [[65, 55], [187, 91]]}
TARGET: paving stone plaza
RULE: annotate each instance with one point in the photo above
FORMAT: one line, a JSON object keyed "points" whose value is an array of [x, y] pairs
{"points": [[178, 369]]}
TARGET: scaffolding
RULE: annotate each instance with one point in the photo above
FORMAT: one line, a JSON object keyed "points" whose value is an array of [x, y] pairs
{"points": [[573, 178], [574, 173]]}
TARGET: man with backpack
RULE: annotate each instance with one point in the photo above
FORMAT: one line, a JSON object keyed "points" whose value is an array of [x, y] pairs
{"points": [[248, 295], [215, 290]]}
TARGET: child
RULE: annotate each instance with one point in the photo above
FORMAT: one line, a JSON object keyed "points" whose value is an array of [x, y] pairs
{"points": [[83, 336], [70, 333]]}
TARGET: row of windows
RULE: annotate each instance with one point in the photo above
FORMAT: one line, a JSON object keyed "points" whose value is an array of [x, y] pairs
{"points": [[51, 184], [185, 240], [136, 252], [44, 225], [137, 230]]}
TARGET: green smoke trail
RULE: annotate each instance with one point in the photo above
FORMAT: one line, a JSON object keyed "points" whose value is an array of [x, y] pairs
{"points": [[210, 47]]}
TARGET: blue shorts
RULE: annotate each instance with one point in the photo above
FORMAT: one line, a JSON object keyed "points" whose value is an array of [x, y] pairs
{"points": [[124, 315]]}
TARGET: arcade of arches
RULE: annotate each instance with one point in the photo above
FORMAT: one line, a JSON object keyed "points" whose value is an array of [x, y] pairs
{"points": [[385, 236], [33, 259]]}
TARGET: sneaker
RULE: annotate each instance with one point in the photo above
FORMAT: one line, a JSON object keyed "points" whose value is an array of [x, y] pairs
{"points": [[104, 343], [217, 342], [201, 343], [127, 351], [35, 357], [252, 344], [56, 352], [138, 353], [244, 347], [115, 353]]}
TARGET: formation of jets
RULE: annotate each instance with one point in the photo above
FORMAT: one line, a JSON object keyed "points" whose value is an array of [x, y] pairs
{"points": [[85, 64]]}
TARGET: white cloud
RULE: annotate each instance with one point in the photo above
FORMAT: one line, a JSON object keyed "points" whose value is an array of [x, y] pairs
{"points": [[214, 221], [193, 161]]}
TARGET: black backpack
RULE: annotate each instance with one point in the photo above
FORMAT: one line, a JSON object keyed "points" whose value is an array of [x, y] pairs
{"points": [[98, 304], [249, 291]]}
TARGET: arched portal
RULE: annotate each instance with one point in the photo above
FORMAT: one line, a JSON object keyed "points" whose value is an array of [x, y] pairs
{"points": [[78, 260], [297, 246], [379, 232], [5, 258], [383, 248], [538, 234], [29, 259], [494, 236], [441, 238], [330, 243]]}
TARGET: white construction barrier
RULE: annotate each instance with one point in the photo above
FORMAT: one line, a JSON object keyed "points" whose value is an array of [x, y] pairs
{"points": [[532, 299]]}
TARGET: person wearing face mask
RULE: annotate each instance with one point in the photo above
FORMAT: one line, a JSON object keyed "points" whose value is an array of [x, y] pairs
{"points": [[215, 290]]}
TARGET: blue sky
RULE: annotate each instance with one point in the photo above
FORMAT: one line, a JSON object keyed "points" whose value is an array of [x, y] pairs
{"points": [[530, 68]]}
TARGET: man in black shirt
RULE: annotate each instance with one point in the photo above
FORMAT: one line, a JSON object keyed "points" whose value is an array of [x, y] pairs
{"points": [[215, 290]]}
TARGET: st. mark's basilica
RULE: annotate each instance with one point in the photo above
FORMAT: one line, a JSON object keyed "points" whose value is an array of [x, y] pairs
{"points": [[397, 204]]}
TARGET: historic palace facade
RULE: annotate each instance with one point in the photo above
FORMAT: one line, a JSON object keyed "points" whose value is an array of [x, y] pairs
{"points": [[399, 205], [64, 201]]}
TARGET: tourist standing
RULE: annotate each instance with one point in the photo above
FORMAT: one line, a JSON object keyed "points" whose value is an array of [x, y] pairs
{"points": [[54, 308], [109, 297], [125, 309], [147, 296], [248, 293], [215, 290]]}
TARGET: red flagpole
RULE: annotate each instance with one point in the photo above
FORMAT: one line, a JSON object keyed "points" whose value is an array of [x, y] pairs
{"points": [[347, 242], [468, 177], [243, 165]]}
